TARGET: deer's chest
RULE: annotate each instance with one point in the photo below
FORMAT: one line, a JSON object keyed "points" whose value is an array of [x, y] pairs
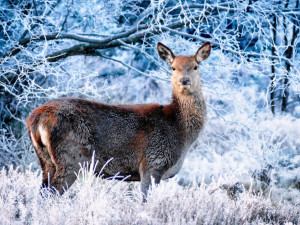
{"points": [[173, 170]]}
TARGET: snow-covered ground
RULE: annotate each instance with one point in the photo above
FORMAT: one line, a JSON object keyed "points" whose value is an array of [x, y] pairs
{"points": [[93, 200]]}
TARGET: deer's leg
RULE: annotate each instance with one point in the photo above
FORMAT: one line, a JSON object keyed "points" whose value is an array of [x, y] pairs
{"points": [[68, 157], [146, 172], [64, 177], [47, 165], [42, 151]]}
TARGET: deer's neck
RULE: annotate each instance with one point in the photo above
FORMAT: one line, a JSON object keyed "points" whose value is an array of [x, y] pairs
{"points": [[191, 113]]}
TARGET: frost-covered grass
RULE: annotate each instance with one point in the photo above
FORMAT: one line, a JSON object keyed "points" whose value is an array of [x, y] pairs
{"points": [[264, 149], [93, 200]]}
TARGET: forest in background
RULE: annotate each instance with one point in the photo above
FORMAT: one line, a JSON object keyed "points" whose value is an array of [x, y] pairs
{"points": [[106, 51]]}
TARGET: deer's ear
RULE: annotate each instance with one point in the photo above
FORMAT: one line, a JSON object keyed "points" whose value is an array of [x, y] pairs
{"points": [[203, 52], [165, 53]]}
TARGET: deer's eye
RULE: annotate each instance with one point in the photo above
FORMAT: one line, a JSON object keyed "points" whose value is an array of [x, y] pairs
{"points": [[196, 67], [173, 68]]}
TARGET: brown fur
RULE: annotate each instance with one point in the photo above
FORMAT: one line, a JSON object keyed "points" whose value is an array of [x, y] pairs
{"points": [[143, 140]]}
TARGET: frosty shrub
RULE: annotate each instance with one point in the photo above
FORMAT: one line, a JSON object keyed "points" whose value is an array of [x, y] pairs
{"points": [[93, 200]]}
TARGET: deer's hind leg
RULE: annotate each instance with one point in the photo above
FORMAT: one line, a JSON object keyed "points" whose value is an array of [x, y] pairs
{"points": [[48, 167], [68, 157], [60, 155]]}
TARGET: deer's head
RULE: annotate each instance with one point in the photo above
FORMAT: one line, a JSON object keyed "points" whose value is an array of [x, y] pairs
{"points": [[185, 69]]}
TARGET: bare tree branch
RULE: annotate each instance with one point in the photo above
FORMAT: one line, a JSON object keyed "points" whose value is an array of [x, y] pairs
{"points": [[128, 66], [89, 49]]}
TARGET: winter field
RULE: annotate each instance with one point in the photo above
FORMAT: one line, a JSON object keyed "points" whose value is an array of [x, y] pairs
{"points": [[243, 169], [245, 166], [93, 200]]}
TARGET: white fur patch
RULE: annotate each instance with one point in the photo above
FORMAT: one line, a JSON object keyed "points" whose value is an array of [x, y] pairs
{"points": [[44, 135], [35, 144]]}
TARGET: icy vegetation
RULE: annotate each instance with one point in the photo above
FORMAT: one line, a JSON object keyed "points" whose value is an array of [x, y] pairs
{"points": [[93, 200], [245, 166]]}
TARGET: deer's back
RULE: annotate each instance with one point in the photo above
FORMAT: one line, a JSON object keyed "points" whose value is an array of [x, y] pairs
{"points": [[125, 133]]}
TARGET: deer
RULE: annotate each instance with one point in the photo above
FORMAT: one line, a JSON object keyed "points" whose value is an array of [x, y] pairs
{"points": [[144, 141]]}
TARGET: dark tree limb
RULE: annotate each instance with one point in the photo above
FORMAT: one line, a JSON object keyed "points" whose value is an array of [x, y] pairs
{"points": [[133, 35], [23, 40], [289, 55], [128, 37], [272, 83]]}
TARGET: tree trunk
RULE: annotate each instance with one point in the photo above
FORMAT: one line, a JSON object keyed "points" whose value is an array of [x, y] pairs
{"points": [[272, 84], [289, 55]]}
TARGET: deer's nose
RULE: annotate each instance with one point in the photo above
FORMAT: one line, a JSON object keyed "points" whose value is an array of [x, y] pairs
{"points": [[185, 80]]}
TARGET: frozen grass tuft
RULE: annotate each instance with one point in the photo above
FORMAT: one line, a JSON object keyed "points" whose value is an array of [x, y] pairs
{"points": [[93, 200]]}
